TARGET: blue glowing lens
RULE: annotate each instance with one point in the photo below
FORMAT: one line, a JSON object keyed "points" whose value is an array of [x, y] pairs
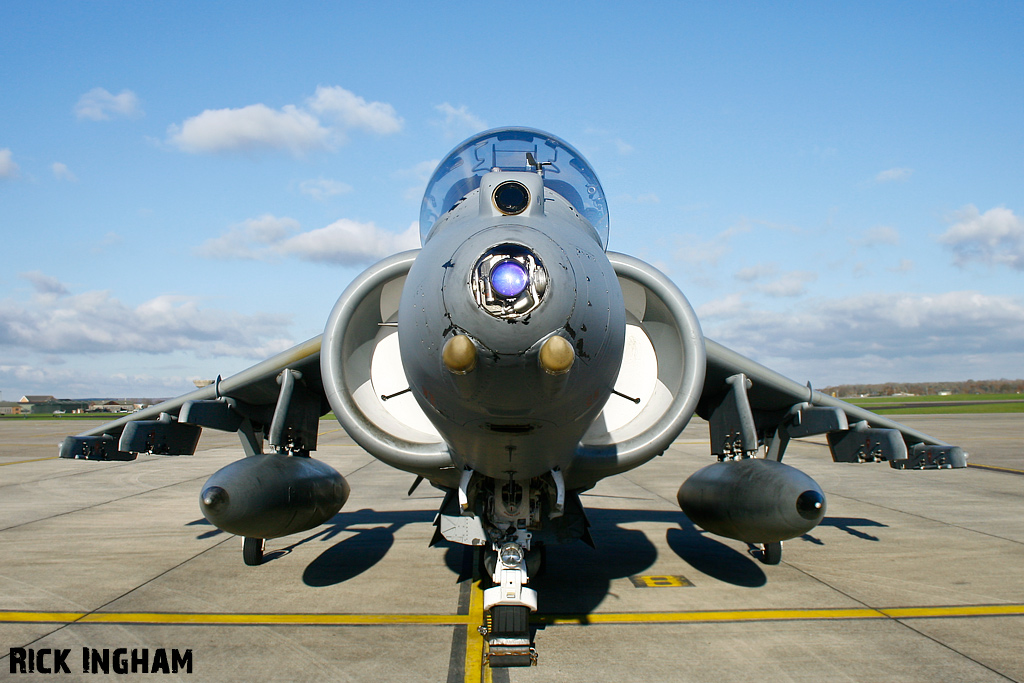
{"points": [[509, 279]]}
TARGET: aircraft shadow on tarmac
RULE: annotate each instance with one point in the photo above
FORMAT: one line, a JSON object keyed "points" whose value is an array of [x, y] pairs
{"points": [[576, 578], [848, 525]]}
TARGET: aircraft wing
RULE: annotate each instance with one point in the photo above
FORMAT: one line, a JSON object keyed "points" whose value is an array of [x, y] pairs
{"points": [[748, 404], [245, 401]]}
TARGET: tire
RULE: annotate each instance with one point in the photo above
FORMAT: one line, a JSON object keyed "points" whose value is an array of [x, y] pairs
{"points": [[772, 553], [510, 620], [252, 551]]}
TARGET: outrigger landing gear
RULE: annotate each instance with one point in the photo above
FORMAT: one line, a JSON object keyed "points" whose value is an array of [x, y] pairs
{"points": [[769, 553], [509, 603], [252, 550]]}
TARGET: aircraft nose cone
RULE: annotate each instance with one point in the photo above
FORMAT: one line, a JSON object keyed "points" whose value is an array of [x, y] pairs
{"points": [[215, 498], [811, 505]]}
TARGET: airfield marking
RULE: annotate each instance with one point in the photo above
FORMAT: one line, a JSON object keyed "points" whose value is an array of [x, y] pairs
{"points": [[18, 462], [475, 619], [475, 671], [995, 468], [193, 619], [788, 615], [661, 581]]}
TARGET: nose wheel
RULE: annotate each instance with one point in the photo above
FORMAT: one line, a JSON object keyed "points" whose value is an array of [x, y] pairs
{"points": [[509, 603], [508, 637]]}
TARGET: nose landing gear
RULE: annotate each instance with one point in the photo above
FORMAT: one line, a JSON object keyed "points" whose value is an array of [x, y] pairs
{"points": [[509, 603]]}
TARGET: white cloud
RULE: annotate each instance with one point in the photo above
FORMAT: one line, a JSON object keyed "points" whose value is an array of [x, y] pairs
{"points": [[699, 255], [249, 128], [788, 284], [347, 242], [459, 122], [100, 105], [723, 309], [995, 237], [892, 326], [319, 125], [61, 172], [45, 284], [252, 239], [97, 322], [323, 188], [70, 382], [894, 175], [353, 111], [758, 272], [343, 242], [8, 169]]}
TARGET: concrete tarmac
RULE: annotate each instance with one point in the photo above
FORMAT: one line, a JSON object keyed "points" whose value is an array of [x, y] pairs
{"points": [[913, 575]]}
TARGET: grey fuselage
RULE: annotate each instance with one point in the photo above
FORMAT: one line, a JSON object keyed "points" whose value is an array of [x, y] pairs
{"points": [[509, 417]]}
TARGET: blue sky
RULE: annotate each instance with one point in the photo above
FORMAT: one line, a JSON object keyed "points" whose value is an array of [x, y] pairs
{"points": [[186, 188]]}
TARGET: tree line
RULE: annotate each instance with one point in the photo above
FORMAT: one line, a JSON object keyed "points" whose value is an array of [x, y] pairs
{"points": [[971, 386]]}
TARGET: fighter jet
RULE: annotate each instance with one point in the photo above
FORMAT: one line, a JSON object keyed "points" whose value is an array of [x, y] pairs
{"points": [[513, 362]]}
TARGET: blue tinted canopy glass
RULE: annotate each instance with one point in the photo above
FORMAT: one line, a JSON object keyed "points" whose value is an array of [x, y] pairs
{"points": [[565, 171]]}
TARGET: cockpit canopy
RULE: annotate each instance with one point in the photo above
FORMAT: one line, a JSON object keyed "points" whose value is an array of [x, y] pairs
{"points": [[565, 172]]}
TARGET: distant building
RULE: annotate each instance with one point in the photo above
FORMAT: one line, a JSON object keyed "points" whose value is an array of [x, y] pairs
{"points": [[112, 407], [58, 405], [41, 405], [10, 408]]}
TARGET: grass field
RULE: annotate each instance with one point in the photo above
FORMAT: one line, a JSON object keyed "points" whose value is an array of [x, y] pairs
{"points": [[953, 404]]}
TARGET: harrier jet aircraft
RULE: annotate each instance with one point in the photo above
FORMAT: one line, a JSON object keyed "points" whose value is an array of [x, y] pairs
{"points": [[513, 362]]}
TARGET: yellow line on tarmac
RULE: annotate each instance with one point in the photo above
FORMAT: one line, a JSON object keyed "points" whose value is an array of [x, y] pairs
{"points": [[996, 468], [788, 615], [953, 611], [158, 618], [475, 643], [707, 617], [41, 617], [476, 671], [18, 462]]}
